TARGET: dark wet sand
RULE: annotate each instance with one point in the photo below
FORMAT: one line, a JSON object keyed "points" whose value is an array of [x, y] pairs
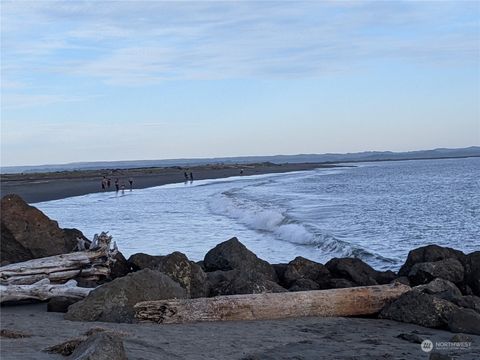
{"points": [[303, 338], [37, 187]]}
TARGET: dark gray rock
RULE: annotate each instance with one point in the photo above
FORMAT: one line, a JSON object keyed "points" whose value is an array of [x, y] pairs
{"points": [[429, 253], [100, 346], [304, 269], [411, 337], [468, 301], [176, 265], [232, 254], [441, 288], [472, 272], [60, 304], [280, 271], [120, 267], [140, 261], [200, 263], [354, 270], [27, 233], [304, 285], [340, 283], [464, 321], [402, 280], [385, 277], [236, 281], [114, 301], [449, 269], [418, 308]]}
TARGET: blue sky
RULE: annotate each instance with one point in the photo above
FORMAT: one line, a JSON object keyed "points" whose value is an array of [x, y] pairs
{"points": [[125, 80]]}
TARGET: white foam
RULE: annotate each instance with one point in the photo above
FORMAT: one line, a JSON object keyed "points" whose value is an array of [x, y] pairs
{"points": [[257, 218]]}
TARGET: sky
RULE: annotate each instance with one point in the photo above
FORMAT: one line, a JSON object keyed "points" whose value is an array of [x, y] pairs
{"points": [[131, 80]]}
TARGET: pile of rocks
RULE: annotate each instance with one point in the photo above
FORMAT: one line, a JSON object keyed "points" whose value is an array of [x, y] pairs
{"points": [[446, 290], [445, 293]]}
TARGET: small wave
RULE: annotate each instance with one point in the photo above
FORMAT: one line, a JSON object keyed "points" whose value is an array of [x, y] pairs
{"points": [[276, 222], [266, 220]]}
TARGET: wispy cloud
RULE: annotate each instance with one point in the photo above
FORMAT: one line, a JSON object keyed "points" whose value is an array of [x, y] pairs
{"points": [[146, 42]]}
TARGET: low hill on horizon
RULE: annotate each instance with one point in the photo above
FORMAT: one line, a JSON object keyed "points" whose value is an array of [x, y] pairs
{"points": [[365, 156]]}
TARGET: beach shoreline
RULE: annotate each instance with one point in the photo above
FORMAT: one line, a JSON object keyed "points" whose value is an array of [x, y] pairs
{"points": [[39, 187], [306, 338]]}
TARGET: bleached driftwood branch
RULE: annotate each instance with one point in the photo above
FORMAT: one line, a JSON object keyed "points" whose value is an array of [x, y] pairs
{"points": [[42, 290], [365, 300], [89, 264]]}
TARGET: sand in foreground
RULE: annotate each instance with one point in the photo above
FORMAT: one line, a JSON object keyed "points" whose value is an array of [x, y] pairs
{"points": [[303, 338]]}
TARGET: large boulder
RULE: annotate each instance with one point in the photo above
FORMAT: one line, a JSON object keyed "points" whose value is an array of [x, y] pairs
{"points": [[100, 346], [304, 269], [358, 272], [120, 267], [140, 261], [234, 282], [176, 265], [416, 307], [232, 254], [430, 253], [449, 269], [27, 233], [114, 301], [441, 288], [468, 301], [472, 272], [464, 321]]}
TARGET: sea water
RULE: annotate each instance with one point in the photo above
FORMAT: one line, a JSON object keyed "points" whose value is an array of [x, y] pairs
{"points": [[374, 211]]}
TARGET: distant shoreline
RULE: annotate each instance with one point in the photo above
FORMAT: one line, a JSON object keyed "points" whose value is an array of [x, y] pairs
{"points": [[39, 187], [328, 158]]}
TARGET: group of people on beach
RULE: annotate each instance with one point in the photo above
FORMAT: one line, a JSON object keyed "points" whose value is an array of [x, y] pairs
{"points": [[107, 183]]}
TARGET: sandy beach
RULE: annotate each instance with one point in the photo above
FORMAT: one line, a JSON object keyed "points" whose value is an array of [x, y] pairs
{"points": [[302, 338], [37, 187]]}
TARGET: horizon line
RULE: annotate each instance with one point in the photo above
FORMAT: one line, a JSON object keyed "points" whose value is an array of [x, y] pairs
{"points": [[235, 157]]}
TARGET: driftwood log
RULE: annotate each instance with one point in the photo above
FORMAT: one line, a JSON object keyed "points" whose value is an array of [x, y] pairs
{"points": [[42, 290], [365, 300], [92, 264]]}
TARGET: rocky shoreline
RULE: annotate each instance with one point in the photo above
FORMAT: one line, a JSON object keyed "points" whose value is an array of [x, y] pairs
{"points": [[445, 282]]}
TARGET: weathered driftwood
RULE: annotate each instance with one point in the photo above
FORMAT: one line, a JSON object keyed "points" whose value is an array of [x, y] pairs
{"points": [[42, 290], [90, 264], [335, 302]]}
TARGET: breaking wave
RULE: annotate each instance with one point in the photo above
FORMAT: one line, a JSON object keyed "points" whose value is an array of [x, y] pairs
{"points": [[275, 221]]}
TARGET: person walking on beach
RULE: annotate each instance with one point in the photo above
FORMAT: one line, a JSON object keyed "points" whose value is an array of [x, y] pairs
{"points": [[131, 183], [123, 188], [186, 176], [109, 182], [191, 176], [117, 187], [104, 182]]}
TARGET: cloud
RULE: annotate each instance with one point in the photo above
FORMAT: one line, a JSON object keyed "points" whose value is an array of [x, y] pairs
{"points": [[147, 42], [18, 100]]}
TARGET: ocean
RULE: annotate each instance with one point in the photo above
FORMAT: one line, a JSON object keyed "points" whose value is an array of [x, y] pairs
{"points": [[375, 211]]}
